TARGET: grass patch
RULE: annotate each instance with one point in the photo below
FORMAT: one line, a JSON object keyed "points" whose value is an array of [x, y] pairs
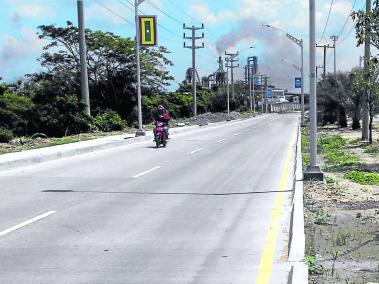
{"points": [[305, 147], [372, 149], [334, 152], [364, 178], [27, 143]]}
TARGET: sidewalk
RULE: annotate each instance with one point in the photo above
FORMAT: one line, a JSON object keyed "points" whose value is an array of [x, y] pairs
{"points": [[35, 156]]}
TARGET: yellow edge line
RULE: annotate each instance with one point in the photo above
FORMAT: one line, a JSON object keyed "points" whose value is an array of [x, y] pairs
{"points": [[265, 266]]}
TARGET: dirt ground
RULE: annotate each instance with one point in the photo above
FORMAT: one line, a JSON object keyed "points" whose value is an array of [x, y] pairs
{"points": [[342, 221]]}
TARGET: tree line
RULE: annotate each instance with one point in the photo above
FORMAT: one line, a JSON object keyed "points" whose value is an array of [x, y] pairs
{"points": [[49, 101]]}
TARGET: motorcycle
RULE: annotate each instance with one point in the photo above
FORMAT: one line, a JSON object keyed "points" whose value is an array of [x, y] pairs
{"points": [[160, 134]]}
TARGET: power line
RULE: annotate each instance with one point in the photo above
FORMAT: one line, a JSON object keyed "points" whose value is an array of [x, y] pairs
{"points": [[163, 12], [177, 21], [327, 20], [348, 17], [348, 34], [114, 13], [193, 18], [163, 27]]}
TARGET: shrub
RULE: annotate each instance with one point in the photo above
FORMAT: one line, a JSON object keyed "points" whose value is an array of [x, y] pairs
{"points": [[109, 121], [6, 135], [365, 178], [313, 267]]}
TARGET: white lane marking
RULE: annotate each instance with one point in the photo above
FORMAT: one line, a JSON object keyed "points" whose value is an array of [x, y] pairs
{"points": [[219, 141], [146, 172], [28, 222], [236, 134], [197, 150]]}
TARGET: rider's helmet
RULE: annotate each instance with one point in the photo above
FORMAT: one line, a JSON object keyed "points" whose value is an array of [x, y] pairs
{"points": [[160, 107]]}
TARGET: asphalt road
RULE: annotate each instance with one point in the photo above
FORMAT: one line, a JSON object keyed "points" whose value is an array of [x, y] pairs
{"points": [[213, 207]]}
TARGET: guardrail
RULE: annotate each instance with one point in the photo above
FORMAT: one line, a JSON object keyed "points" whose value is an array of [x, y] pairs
{"points": [[279, 107]]}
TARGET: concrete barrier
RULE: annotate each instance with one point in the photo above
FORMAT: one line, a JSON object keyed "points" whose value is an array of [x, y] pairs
{"points": [[296, 252]]}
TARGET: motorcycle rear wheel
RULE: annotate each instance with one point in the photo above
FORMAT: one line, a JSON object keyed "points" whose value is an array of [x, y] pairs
{"points": [[157, 141]]}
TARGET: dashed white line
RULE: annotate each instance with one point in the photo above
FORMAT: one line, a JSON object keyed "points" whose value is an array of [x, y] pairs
{"points": [[197, 150], [148, 171], [28, 222], [236, 134], [219, 141]]}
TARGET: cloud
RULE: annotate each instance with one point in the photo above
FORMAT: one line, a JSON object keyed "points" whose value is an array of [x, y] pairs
{"points": [[208, 17], [13, 48], [25, 9]]}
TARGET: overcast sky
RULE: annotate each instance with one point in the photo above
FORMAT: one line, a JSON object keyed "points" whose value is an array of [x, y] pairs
{"points": [[229, 25]]}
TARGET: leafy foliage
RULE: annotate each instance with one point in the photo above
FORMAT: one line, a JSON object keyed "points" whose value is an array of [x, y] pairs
{"points": [[6, 135], [336, 99], [109, 121], [111, 67], [313, 267], [365, 178]]}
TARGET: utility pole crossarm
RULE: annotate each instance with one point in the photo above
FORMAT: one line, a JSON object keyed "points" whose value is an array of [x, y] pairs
{"points": [[299, 42], [193, 47]]}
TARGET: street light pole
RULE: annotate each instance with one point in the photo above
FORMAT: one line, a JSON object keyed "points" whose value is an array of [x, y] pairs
{"points": [[227, 88], [83, 59], [302, 86], [140, 131], [313, 171], [300, 43]]}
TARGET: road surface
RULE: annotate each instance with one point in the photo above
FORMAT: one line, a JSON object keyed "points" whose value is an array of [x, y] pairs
{"points": [[213, 207]]}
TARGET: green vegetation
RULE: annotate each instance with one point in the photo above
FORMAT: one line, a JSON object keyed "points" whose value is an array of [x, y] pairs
{"points": [[305, 147], [313, 267], [109, 121], [332, 148], [372, 149], [6, 135], [364, 178], [322, 217]]}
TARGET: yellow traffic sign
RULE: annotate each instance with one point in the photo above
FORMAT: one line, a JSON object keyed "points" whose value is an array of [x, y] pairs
{"points": [[148, 30]]}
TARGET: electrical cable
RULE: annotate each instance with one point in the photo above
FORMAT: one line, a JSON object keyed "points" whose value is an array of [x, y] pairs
{"points": [[348, 34], [327, 21], [113, 12], [348, 17]]}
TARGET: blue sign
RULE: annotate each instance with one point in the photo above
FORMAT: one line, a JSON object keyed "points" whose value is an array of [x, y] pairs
{"points": [[297, 82], [270, 94]]}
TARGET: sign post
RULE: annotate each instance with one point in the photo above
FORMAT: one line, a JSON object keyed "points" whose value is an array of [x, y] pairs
{"points": [[298, 83]]}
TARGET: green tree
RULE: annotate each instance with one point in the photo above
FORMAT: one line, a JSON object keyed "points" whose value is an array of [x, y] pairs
{"points": [[111, 67], [371, 85]]}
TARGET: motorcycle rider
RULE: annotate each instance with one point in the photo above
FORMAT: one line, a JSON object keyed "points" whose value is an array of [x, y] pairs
{"points": [[164, 117]]}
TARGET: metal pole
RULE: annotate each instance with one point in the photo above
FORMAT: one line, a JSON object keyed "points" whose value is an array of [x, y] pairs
{"points": [[335, 38], [313, 171], [83, 59], [249, 80], [324, 61], [266, 90], [227, 89], [365, 110], [140, 131], [194, 107], [262, 107], [232, 78], [253, 92], [302, 86]]}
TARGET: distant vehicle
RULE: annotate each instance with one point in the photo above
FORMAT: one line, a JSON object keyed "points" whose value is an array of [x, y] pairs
{"points": [[277, 97]]}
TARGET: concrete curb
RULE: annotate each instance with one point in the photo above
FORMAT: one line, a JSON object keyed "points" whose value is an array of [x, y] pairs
{"points": [[36, 156], [299, 270]]}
